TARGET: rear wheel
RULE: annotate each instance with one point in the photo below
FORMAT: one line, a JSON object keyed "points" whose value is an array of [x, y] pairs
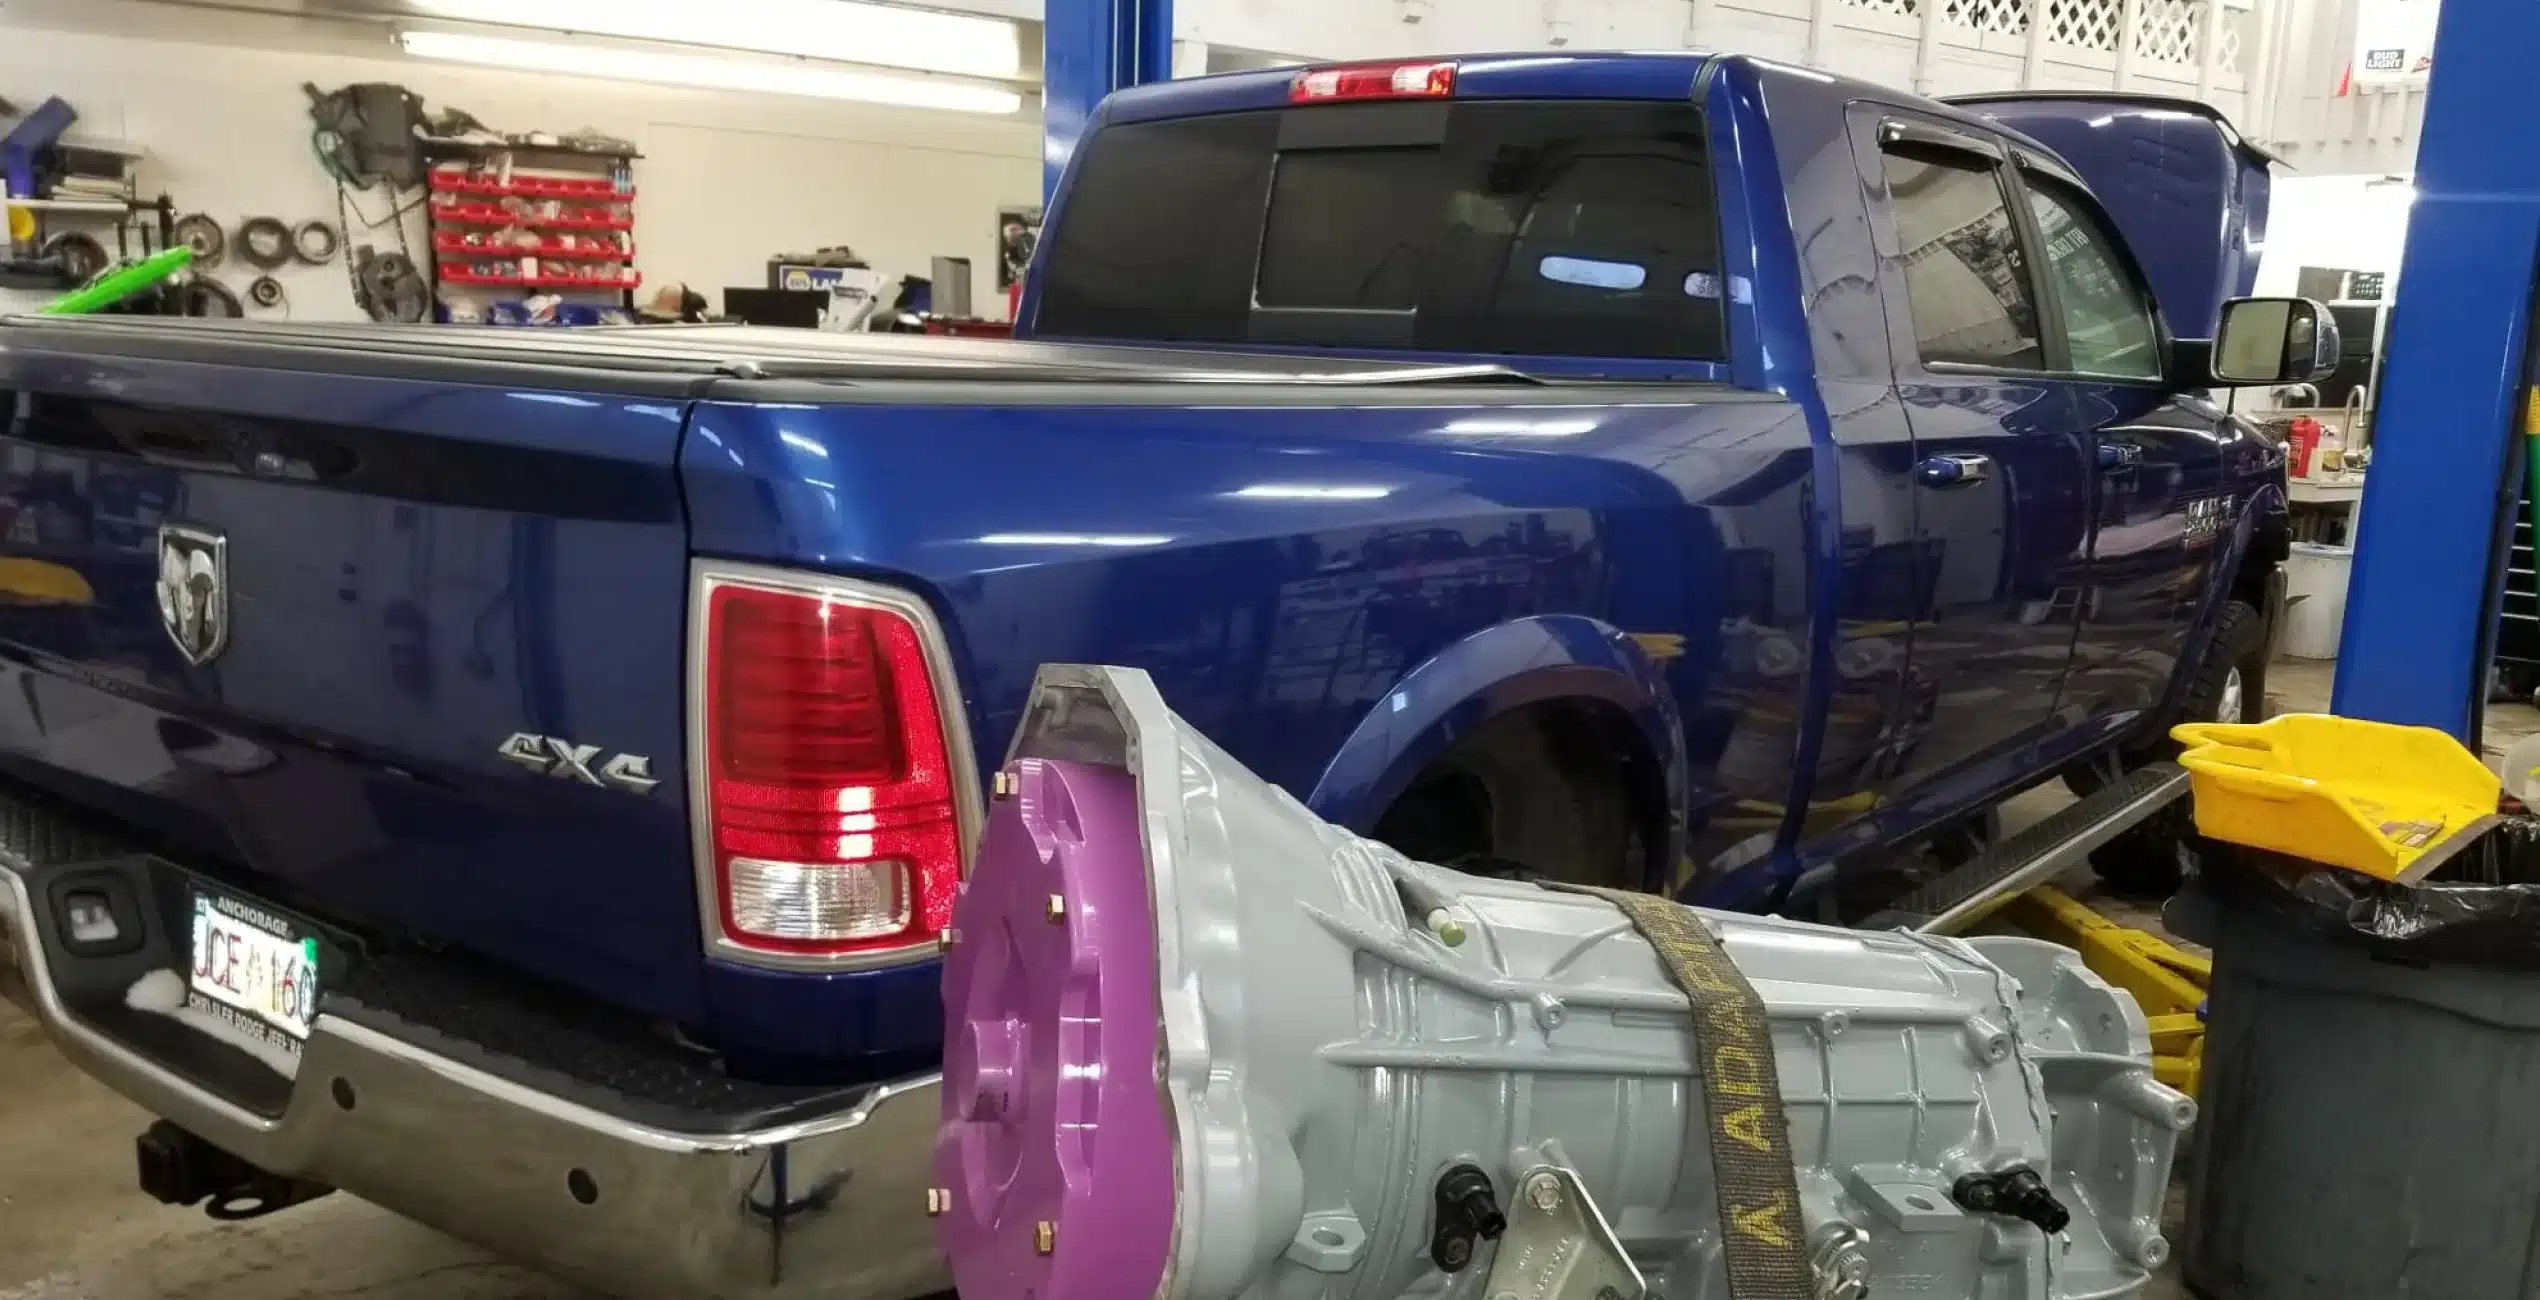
{"points": [[2228, 686], [1543, 791]]}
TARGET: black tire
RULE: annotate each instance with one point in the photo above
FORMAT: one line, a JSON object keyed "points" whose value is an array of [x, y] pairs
{"points": [[2145, 862], [1539, 792]]}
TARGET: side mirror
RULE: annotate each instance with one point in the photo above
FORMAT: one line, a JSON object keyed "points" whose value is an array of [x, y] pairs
{"points": [[2265, 341]]}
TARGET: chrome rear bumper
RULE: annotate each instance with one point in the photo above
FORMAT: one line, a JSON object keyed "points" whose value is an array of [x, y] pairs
{"points": [[832, 1206]]}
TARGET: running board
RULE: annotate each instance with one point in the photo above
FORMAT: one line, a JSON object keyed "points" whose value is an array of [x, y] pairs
{"points": [[1953, 903]]}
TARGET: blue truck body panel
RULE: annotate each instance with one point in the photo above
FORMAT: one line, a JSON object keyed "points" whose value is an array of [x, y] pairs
{"points": [[2190, 193], [407, 592], [1814, 656], [1121, 535]]}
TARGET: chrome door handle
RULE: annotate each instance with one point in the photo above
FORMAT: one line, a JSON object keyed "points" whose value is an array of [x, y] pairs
{"points": [[2120, 456], [1954, 470]]}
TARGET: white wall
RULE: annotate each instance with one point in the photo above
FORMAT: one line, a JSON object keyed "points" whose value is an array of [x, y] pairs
{"points": [[2319, 130], [726, 179], [2357, 223], [2353, 223]]}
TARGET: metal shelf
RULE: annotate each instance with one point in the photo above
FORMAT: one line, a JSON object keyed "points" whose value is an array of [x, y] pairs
{"points": [[2518, 609], [119, 148], [2340, 491], [102, 206], [448, 145]]}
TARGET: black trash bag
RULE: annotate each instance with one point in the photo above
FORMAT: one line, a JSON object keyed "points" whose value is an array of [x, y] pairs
{"points": [[2480, 906]]}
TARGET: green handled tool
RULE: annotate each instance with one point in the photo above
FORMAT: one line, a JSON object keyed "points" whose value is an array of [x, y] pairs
{"points": [[116, 285]]}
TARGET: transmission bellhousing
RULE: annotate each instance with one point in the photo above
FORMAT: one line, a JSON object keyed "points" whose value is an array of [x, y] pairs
{"points": [[1203, 1045]]}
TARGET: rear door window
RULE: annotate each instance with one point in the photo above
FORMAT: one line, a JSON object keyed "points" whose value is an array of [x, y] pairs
{"points": [[1966, 277], [1563, 229]]}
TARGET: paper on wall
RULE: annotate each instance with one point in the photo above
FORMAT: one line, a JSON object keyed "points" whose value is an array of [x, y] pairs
{"points": [[2394, 42]]}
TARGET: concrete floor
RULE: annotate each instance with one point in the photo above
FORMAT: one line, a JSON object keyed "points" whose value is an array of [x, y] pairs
{"points": [[72, 1227]]}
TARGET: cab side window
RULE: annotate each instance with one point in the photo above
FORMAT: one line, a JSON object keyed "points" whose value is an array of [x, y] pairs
{"points": [[2106, 314], [1966, 277]]}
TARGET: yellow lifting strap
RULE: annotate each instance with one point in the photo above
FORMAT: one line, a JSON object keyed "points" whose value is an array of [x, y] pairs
{"points": [[1752, 1170]]}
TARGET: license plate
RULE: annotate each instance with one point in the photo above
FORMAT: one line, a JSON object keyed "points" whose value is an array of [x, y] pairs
{"points": [[253, 970]]}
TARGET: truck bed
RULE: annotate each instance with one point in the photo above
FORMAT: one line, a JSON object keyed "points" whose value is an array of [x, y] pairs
{"points": [[447, 545], [689, 360]]}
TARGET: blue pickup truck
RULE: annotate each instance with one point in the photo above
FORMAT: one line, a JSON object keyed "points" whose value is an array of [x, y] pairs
{"points": [[522, 778]]}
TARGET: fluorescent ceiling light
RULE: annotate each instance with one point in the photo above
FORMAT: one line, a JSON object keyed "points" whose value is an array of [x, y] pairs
{"points": [[842, 30], [1520, 428], [1074, 539], [1313, 492], [712, 72]]}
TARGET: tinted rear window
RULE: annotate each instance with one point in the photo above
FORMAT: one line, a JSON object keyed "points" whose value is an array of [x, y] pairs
{"points": [[1564, 229]]}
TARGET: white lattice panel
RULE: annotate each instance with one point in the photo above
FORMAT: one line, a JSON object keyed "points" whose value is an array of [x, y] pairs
{"points": [[2167, 33], [2166, 43], [2004, 16], [2235, 24], [2009, 17], [2088, 24]]}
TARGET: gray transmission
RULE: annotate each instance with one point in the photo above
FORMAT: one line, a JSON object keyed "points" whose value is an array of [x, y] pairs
{"points": [[1203, 1045]]}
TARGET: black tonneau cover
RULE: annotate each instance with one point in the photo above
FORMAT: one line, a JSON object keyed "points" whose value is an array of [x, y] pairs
{"points": [[688, 358]]}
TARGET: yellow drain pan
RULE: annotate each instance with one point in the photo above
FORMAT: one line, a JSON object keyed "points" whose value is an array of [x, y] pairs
{"points": [[2366, 796]]}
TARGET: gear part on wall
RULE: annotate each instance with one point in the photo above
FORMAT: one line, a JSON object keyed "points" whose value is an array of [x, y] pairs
{"points": [[203, 235], [316, 242], [264, 242], [390, 288], [366, 133], [205, 296], [265, 291], [82, 256]]}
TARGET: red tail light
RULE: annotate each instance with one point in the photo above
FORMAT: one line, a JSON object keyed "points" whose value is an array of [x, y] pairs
{"points": [[1425, 79], [832, 816]]}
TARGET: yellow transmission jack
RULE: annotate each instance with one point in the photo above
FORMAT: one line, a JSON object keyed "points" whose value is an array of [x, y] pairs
{"points": [[2167, 981]]}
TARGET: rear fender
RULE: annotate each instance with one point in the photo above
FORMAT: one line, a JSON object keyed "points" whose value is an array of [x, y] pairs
{"points": [[1493, 671]]}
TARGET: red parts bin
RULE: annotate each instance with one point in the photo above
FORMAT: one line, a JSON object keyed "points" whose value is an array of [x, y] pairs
{"points": [[460, 275], [534, 187], [488, 214], [457, 245]]}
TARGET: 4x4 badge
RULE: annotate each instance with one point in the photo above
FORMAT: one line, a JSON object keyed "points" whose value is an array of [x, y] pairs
{"points": [[561, 758]]}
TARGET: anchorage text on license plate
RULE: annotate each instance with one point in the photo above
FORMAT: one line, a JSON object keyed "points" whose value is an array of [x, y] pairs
{"points": [[247, 960]]}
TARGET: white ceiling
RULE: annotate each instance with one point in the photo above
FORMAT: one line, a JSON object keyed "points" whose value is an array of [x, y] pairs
{"points": [[365, 27]]}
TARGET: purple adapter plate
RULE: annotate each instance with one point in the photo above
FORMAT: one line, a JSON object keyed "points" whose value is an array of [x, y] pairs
{"points": [[1054, 1159]]}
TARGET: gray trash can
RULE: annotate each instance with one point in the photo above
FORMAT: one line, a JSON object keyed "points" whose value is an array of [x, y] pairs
{"points": [[2370, 1122]]}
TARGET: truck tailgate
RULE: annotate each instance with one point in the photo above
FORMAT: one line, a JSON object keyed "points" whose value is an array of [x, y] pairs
{"points": [[326, 628]]}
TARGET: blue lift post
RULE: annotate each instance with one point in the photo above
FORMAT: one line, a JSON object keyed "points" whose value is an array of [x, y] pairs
{"points": [[2421, 610], [1090, 48]]}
